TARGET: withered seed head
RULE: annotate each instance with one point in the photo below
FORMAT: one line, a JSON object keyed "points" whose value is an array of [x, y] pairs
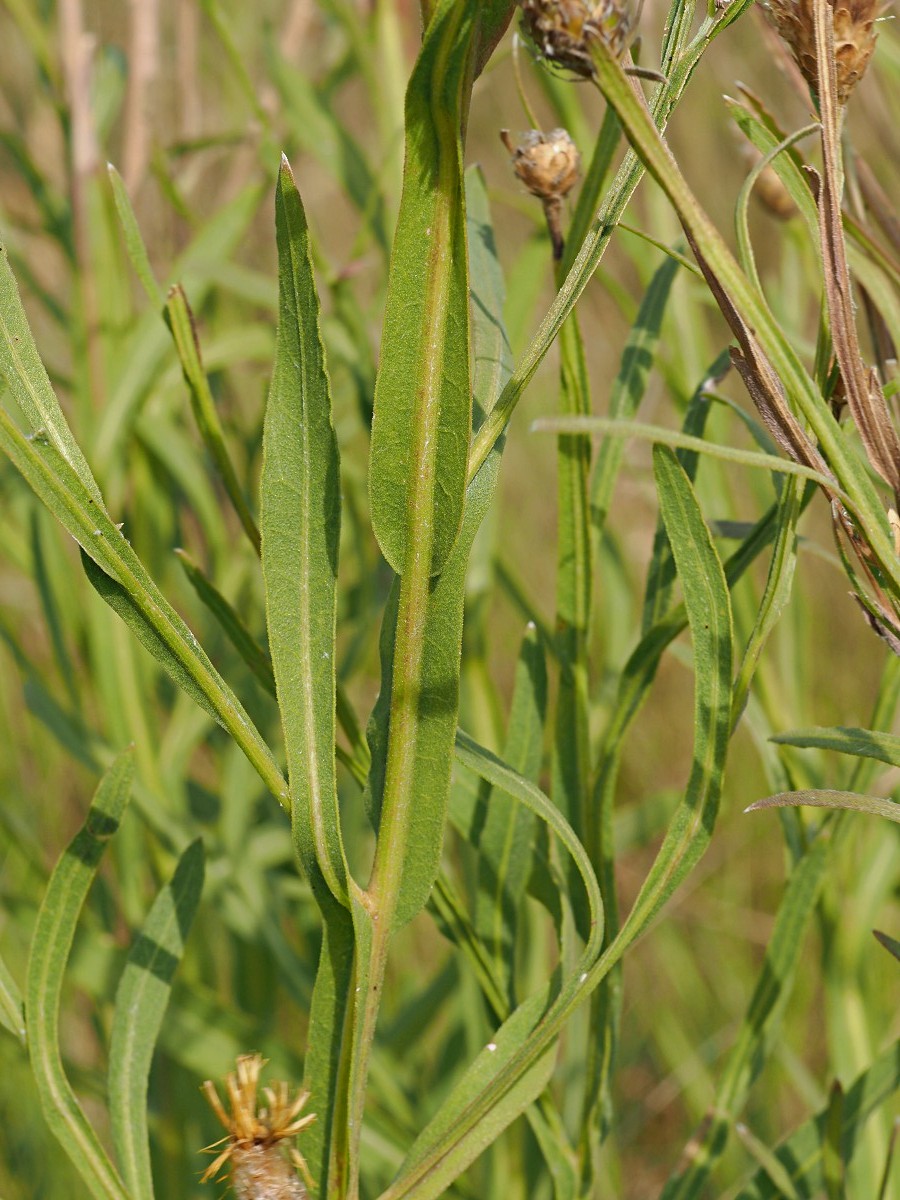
{"points": [[255, 1136], [547, 163], [562, 30], [854, 38]]}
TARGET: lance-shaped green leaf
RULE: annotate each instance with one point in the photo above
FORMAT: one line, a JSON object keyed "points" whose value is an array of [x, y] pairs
{"points": [[141, 1000], [422, 419], [301, 529], [53, 935], [300, 520], [134, 242], [122, 580]]}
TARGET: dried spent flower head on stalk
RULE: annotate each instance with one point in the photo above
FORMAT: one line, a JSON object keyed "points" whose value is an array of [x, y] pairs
{"points": [[260, 1170], [562, 30], [854, 38], [547, 163]]}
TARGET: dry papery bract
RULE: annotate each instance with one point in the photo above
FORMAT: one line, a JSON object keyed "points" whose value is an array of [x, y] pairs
{"points": [[562, 30], [854, 38], [262, 1165]]}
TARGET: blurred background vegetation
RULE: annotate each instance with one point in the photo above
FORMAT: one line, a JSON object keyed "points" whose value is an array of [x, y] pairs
{"points": [[192, 100]]}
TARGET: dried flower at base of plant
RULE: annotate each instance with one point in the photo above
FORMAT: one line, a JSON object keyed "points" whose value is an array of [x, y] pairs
{"points": [[562, 30], [262, 1166], [854, 38]]}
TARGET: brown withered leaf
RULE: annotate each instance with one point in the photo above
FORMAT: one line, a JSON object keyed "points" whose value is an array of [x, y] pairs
{"points": [[865, 398], [760, 378]]}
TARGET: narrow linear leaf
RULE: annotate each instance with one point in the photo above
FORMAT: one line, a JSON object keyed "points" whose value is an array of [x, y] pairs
{"points": [[659, 435], [768, 1162], [134, 242], [141, 1000], [630, 386], [823, 798], [231, 624], [863, 743], [180, 321], [661, 573], [53, 935], [709, 613]]}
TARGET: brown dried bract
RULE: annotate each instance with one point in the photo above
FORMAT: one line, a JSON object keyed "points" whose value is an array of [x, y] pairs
{"points": [[854, 38], [256, 1136]]}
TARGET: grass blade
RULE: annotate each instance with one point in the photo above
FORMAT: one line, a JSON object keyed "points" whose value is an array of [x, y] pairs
{"points": [[53, 934], [141, 1000]]}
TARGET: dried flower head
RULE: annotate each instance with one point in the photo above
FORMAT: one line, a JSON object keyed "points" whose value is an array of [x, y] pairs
{"points": [[562, 30], [854, 38], [256, 1136], [547, 163]]}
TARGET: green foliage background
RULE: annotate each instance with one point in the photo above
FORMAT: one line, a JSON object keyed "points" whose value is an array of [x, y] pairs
{"points": [[195, 126]]}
